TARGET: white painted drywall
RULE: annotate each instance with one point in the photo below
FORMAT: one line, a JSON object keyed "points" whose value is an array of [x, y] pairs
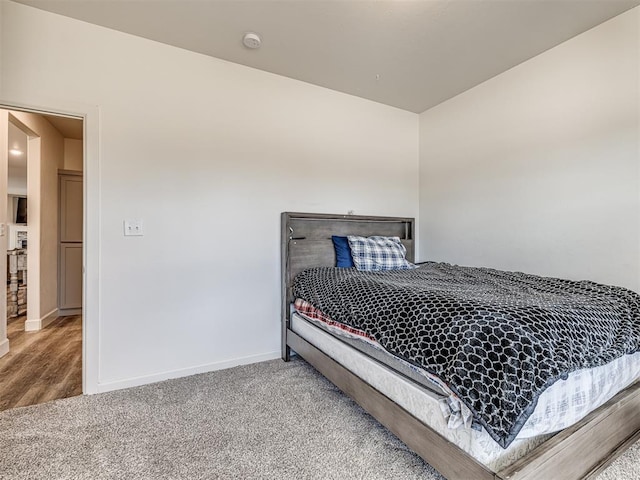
{"points": [[73, 154], [208, 154], [17, 184], [1, 24], [46, 156], [538, 169], [11, 207]]}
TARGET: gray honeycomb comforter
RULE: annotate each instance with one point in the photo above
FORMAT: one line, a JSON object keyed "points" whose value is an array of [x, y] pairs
{"points": [[498, 339]]}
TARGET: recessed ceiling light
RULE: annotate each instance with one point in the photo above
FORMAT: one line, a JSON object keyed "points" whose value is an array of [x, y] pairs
{"points": [[15, 151], [251, 40]]}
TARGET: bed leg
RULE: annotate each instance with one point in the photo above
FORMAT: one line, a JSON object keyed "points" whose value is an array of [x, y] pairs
{"points": [[286, 353]]}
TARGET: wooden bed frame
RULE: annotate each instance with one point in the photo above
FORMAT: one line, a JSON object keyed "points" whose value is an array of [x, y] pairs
{"points": [[578, 452]]}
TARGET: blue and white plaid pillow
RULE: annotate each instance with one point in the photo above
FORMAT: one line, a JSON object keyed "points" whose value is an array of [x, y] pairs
{"points": [[375, 254]]}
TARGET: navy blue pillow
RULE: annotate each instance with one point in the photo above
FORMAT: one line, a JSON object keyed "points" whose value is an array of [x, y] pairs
{"points": [[343, 252]]}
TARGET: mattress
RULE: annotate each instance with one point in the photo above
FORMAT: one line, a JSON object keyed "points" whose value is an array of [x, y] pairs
{"points": [[497, 339], [425, 404], [560, 406]]}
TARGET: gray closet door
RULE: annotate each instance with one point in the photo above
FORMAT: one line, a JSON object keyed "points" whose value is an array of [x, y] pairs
{"points": [[70, 208], [70, 244], [71, 276]]}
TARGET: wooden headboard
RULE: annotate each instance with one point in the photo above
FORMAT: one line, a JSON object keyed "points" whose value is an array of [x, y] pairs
{"points": [[306, 243]]}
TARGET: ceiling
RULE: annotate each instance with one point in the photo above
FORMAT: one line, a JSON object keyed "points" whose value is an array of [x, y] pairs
{"points": [[68, 127], [17, 143], [411, 54]]}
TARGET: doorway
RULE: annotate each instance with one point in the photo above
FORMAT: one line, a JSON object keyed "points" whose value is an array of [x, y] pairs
{"points": [[44, 359], [17, 227]]}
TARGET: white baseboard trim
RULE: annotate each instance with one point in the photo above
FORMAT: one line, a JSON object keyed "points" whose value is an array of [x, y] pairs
{"points": [[4, 347], [67, 312], [185, 372], [39, 323]]}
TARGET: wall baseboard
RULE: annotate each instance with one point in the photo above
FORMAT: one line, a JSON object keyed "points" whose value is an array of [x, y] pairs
{"points": [[4, 347], [39, 323], [66, 312], [185, 372]]}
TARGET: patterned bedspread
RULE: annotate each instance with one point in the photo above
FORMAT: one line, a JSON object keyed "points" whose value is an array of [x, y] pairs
{"points": [[498, 339]]}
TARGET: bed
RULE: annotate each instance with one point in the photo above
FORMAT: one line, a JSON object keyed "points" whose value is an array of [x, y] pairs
{"points": [[579, 451]]}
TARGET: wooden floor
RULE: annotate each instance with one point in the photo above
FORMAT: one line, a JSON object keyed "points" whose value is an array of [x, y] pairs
{"points": [[43, 365]]}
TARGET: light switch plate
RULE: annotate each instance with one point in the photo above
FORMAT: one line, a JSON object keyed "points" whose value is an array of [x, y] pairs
{"points": [[133, 227], [2, 230]]}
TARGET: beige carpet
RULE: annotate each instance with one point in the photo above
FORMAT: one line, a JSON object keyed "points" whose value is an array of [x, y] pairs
{"points": [[271, 420]]}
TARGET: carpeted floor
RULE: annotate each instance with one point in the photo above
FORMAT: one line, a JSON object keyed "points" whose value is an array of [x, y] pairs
{"points": [[271, 420]]}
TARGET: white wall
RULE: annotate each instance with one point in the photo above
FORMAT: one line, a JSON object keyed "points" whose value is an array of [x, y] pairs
{"points": [[207, 153], [73, 154], [537, 169], [1, 24], [17, 184]]}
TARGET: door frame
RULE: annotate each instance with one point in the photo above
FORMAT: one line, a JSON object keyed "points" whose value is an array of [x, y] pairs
{"points": [[90, 114]]}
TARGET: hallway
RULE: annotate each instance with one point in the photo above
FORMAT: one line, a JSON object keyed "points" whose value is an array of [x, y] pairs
{"points": [[43, 365]]}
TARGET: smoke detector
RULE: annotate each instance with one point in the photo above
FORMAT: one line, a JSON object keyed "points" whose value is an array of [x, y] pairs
{"points": [[251, 40]]}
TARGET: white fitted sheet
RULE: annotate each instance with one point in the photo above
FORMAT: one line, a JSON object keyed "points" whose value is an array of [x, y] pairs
{"points": [[561, 405], [424, 405]]}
